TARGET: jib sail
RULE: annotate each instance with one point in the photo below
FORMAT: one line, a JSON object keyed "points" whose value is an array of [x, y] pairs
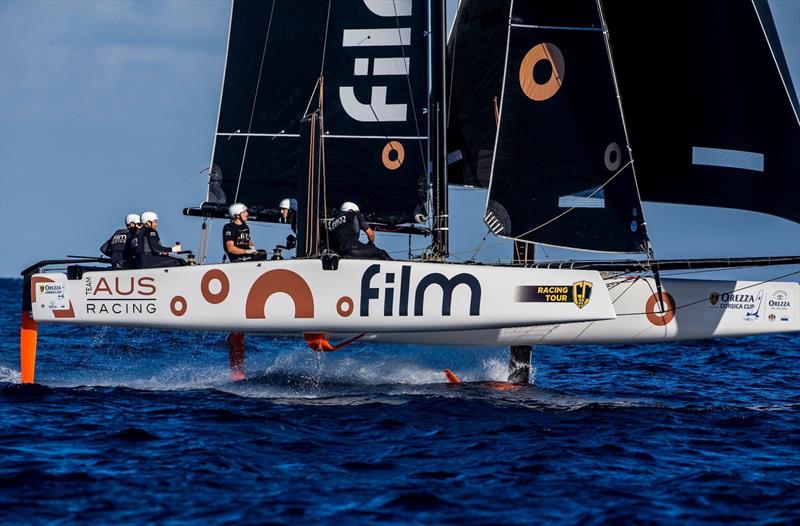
{"points": [[561, 172]]}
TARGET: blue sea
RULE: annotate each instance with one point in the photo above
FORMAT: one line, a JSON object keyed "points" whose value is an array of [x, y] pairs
{"points": [[134, 426]]}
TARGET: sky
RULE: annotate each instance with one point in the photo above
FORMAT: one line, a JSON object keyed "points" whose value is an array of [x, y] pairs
{"points": [[108, 107]]}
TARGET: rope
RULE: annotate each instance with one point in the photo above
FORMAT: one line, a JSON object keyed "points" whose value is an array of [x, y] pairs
{"points": [[570, 209]]}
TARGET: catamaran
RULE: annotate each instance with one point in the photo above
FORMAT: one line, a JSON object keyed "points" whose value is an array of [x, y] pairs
{"points": [[545, 104]]}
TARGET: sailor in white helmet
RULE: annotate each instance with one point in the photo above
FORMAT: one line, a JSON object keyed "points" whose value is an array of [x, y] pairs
{"points": [[288, 208], [344, 231], [147, 247], [236, 237], [119, 246]]}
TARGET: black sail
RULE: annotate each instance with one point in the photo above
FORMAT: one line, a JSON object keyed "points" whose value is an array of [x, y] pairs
{"points": [[710, 108], [374, 65], [561, 173], [475, 54]]}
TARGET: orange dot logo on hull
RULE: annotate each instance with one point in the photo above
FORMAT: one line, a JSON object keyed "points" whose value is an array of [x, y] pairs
{"points": [[344, 306], [532, 89], [224, 286], [273, 282], [660, 318], [178, 306]]}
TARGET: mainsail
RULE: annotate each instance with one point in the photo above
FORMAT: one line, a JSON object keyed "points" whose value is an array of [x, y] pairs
{"points": [[561, 172], [370, 60], [710, 107]]}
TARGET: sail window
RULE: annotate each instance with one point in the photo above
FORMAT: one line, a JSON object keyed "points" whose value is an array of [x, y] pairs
{"points": [[728, 158], [592, 198], [377, 37]]}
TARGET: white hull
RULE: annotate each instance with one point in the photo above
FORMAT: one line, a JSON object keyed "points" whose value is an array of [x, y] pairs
{"points": [[416, 302], [753, 309]]}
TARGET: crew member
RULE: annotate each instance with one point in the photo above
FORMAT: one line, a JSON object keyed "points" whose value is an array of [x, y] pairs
{"points": [[236, 237], [344, 231], [147, 247], [289, 216], [119, 247]]}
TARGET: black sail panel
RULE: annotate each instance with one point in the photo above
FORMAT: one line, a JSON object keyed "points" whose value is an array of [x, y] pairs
{"points": [[375, 97], [374, 63], [561, 173], [475, 54], [710, 117]]}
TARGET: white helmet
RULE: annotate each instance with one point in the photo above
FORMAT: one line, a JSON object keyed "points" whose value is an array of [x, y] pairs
{"points": [[347, 206], [288, 203], [149, 216], [236, 208], [132, 218]]}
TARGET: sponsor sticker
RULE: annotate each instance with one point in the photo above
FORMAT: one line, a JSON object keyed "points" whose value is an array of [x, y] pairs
{"points": [[578, 293], [779, 305], [52, 295], [748, 302], [779, 301]]}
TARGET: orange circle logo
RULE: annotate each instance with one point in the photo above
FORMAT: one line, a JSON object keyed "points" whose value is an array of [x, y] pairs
{"points": [[344, 306], [178, 305], [660, 319], [530, 87], [205, 286], [393, 155]]}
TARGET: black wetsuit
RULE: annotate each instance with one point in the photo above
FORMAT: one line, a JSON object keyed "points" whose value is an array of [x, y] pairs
{"points": [[119, 248], [344, 232], [148, 250], [291, 220], [240, 235]]}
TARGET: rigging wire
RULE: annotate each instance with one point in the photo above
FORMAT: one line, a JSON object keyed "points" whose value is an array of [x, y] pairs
{"points": [[453, 63], [480, 245], [255, 99], [570, 209], [678, 307], [322, 62], [410, 91]]}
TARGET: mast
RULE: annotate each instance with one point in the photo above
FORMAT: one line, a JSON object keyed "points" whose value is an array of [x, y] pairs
{"points": [[310, 182], [438, 125]]}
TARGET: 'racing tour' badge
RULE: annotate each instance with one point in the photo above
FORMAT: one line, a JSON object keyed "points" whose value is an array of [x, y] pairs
{"points": [[579, 293]]}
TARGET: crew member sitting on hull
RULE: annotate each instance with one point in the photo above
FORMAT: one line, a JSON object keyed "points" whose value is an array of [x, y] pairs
{"points": [[236, 237], [288, 209], [344, 231], [147, 247], [119, 246]]}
